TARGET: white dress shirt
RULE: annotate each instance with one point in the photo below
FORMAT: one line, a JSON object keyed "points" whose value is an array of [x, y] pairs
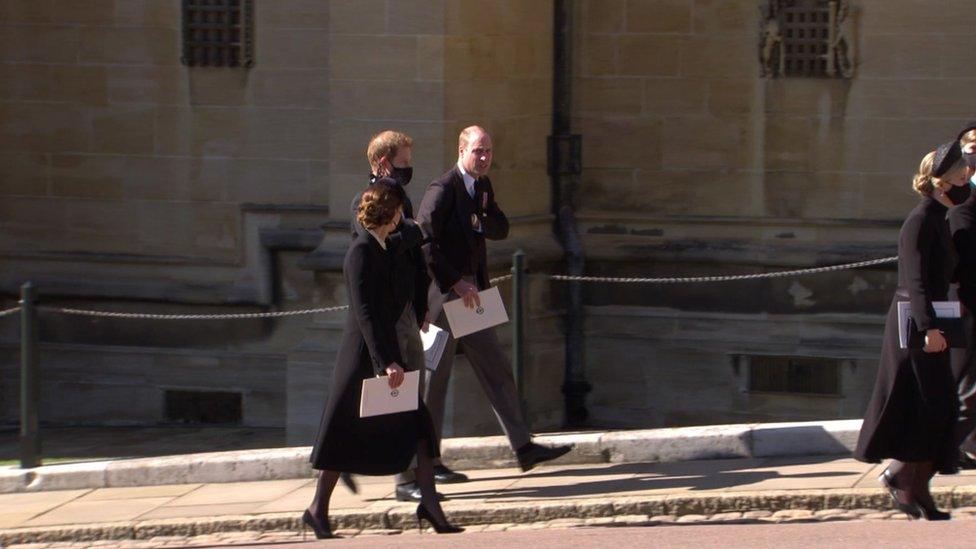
{"points": [[468, 180]]}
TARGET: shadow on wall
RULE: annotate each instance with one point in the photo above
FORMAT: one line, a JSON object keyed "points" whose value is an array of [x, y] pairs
{"points": [[804, 440]]}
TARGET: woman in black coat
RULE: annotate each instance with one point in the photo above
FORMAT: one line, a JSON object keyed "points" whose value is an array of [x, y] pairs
{"points": [[913, 409], [378, 445]]}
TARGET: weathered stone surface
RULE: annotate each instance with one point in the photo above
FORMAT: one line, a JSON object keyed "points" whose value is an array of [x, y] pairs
{"points": [[663, 16], [783, 439], [679, 444], [731, 516]]}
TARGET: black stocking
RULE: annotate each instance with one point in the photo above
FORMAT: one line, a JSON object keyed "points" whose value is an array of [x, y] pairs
{"points": [[425, 480], [319, 508]]}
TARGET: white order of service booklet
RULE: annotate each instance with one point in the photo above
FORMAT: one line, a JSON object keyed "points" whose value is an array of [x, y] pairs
{"points": [[379, 399], [434, 340], [466, 321]]}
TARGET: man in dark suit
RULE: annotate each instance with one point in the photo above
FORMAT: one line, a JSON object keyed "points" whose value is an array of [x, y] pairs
{"points": [[457, 215]]}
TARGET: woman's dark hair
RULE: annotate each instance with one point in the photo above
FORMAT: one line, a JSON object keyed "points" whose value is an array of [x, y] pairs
{"points": [[379, 203]]}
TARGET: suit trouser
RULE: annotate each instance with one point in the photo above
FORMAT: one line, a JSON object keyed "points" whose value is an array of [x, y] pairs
{"points": [[964, 370], [494, 372], [412, 350]]}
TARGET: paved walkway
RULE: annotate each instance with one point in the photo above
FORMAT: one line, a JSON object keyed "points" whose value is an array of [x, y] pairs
{"points": [[696, 490]]}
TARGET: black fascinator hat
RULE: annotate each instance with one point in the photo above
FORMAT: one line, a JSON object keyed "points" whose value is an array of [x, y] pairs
{"points": [[945, 156]]}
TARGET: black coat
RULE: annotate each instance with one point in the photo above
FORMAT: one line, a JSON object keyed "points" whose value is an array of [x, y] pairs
{"points": [[409, 268], [914, 405], [452, 248], [379, 445], [962, 227]]}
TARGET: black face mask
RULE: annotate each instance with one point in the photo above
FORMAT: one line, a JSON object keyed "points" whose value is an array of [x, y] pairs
{"points": [[958, 195], [970, 159], [402, 175]]}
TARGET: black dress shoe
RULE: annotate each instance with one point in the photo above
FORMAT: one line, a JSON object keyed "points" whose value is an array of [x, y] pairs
{"points": [[321, 530], [411, 492], [533, 454], [444, 475]]}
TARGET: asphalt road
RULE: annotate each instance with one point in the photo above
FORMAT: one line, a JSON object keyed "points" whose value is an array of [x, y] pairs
{"points": [[855, 534]]}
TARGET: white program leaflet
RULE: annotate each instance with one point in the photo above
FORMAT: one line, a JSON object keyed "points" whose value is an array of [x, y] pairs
{"points": [[466, 321], [379, 399], [943, 309], [434, 342]]}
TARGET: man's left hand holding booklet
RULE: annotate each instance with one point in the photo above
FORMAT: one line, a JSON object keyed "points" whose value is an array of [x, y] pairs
{"points": [[378, 398]]}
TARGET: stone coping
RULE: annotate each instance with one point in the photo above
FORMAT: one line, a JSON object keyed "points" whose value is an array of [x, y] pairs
{"points": [[649, 445], [814, 505]]}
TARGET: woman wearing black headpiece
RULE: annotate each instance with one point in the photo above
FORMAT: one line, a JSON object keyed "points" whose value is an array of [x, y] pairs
{"points": [[385, 444], [912, 411]]}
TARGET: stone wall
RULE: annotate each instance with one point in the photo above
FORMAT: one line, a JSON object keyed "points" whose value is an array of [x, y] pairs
{"points": [[131, 182], [696, 165]]}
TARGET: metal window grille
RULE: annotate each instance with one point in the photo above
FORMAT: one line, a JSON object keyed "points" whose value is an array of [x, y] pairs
{"points": [[795, 375], [218, 33], [806, 27]]}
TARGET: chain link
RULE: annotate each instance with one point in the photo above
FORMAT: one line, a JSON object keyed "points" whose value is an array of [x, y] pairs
{"points": [[232, 316], [496, 280], [675, 280], [9, 312]]}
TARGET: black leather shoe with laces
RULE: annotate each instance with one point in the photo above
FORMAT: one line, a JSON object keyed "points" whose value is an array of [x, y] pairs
{"points": [[411, 492], [443, 475], [533, 454]]}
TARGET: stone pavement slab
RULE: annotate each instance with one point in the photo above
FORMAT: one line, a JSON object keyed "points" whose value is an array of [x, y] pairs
{"points": [[725, 491]]}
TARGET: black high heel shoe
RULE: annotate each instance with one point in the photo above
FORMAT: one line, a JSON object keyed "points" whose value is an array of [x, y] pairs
{"points": [[321, 532], [911, 509], [446, 528], [931, 512]]}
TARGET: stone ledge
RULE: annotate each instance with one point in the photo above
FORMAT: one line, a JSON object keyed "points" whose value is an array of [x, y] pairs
{"points": [[778, 505], [650, 445]]}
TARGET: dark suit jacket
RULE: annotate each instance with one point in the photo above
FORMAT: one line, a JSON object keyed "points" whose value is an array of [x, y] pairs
{"points": [[409, 268], [962, 226], [452, 248]]}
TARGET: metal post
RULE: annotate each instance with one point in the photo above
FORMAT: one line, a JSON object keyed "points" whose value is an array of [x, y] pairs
{"points": [[30, 438], [565, 169], [518, 323]]}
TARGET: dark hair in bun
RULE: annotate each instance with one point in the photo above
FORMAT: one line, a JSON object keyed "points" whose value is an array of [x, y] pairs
{"points": [[379, 204]]}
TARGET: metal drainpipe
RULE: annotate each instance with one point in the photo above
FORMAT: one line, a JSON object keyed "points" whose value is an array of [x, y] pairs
{"points": [[565, 166]]}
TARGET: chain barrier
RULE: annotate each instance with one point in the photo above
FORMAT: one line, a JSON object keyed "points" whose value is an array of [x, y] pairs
{"points": [[230, 316], [496, 280], [675, 280]]}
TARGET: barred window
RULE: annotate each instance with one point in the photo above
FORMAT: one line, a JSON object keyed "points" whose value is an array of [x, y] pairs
{"points": [[218, 33], [794, 375], [806, 34], [807, 38]]}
